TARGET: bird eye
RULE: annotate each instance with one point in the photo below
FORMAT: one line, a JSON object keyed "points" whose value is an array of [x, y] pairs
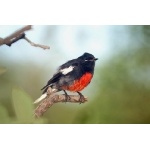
{"points": [[88, 59]]}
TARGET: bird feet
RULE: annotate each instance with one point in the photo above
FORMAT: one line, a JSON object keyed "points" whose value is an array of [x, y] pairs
{"points": [[67, 96], [81, 99]]}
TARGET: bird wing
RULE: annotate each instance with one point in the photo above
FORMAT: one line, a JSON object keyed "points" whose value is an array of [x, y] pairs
{"points": [[62, 70], [69, 63], [55, 78]]}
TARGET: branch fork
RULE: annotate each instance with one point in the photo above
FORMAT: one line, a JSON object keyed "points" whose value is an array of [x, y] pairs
{"points": [[18, 35]]}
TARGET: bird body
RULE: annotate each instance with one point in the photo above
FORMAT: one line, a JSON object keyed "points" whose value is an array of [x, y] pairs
{"points": [[72, 76], [79, 84]]}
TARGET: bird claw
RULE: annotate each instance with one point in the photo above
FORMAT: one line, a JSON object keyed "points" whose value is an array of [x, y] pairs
{"points": [[81, 99], [68, 98]]}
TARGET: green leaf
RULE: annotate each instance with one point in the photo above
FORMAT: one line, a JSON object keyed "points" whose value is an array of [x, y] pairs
{"points": [[2, 70], [23, 106]]}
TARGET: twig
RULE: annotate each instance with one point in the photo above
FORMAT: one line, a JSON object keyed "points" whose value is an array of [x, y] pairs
{"points": [[36, 45], [55, 98], [20, 34]]}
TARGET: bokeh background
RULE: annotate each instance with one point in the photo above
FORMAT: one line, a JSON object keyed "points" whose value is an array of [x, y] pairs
{"points": [[119, 92]]}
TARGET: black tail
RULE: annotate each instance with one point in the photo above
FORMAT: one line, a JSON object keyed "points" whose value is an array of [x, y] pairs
{"points": [[45, 88]]}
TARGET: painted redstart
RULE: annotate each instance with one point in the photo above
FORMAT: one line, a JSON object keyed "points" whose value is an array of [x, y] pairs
{"points": [[72, 76]]}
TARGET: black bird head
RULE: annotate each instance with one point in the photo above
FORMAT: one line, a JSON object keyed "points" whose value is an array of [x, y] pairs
{"points": [[88, 62]]}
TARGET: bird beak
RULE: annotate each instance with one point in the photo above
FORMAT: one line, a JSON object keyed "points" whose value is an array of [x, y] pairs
{"points": [[95, 59]]}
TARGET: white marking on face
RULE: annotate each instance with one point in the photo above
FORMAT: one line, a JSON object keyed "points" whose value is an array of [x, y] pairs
{"points": [[66, 70]]}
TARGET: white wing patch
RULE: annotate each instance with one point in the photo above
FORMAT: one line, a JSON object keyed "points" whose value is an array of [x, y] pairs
{"points": [[67, 70]]}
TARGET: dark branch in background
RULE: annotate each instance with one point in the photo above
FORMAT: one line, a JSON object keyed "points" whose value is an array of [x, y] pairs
{"points": [[55, 98], [9, 43], [20, 34], [15, 36]]}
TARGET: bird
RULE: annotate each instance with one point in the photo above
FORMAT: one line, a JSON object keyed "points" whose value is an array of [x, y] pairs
{"points": [[73, 76]]}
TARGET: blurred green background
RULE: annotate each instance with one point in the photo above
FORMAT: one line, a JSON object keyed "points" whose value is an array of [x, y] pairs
{"points": [[119, 92]]}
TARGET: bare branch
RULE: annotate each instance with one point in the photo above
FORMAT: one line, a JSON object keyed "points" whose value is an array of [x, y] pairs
{"points": [[36, 45], [8, 39], [14, 37], [55, 98], [20, 34]]}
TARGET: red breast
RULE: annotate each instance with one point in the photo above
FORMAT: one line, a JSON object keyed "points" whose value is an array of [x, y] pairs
{"points": [[80, 84]]}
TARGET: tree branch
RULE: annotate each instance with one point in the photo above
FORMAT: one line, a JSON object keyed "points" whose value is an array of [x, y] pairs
{"points": [[55, 98], [8, 39], [20, 34], [36, 45]]}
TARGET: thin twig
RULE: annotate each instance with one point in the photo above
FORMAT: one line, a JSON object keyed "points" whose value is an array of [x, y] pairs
{"points": [[36, 45], [55, 98]]}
